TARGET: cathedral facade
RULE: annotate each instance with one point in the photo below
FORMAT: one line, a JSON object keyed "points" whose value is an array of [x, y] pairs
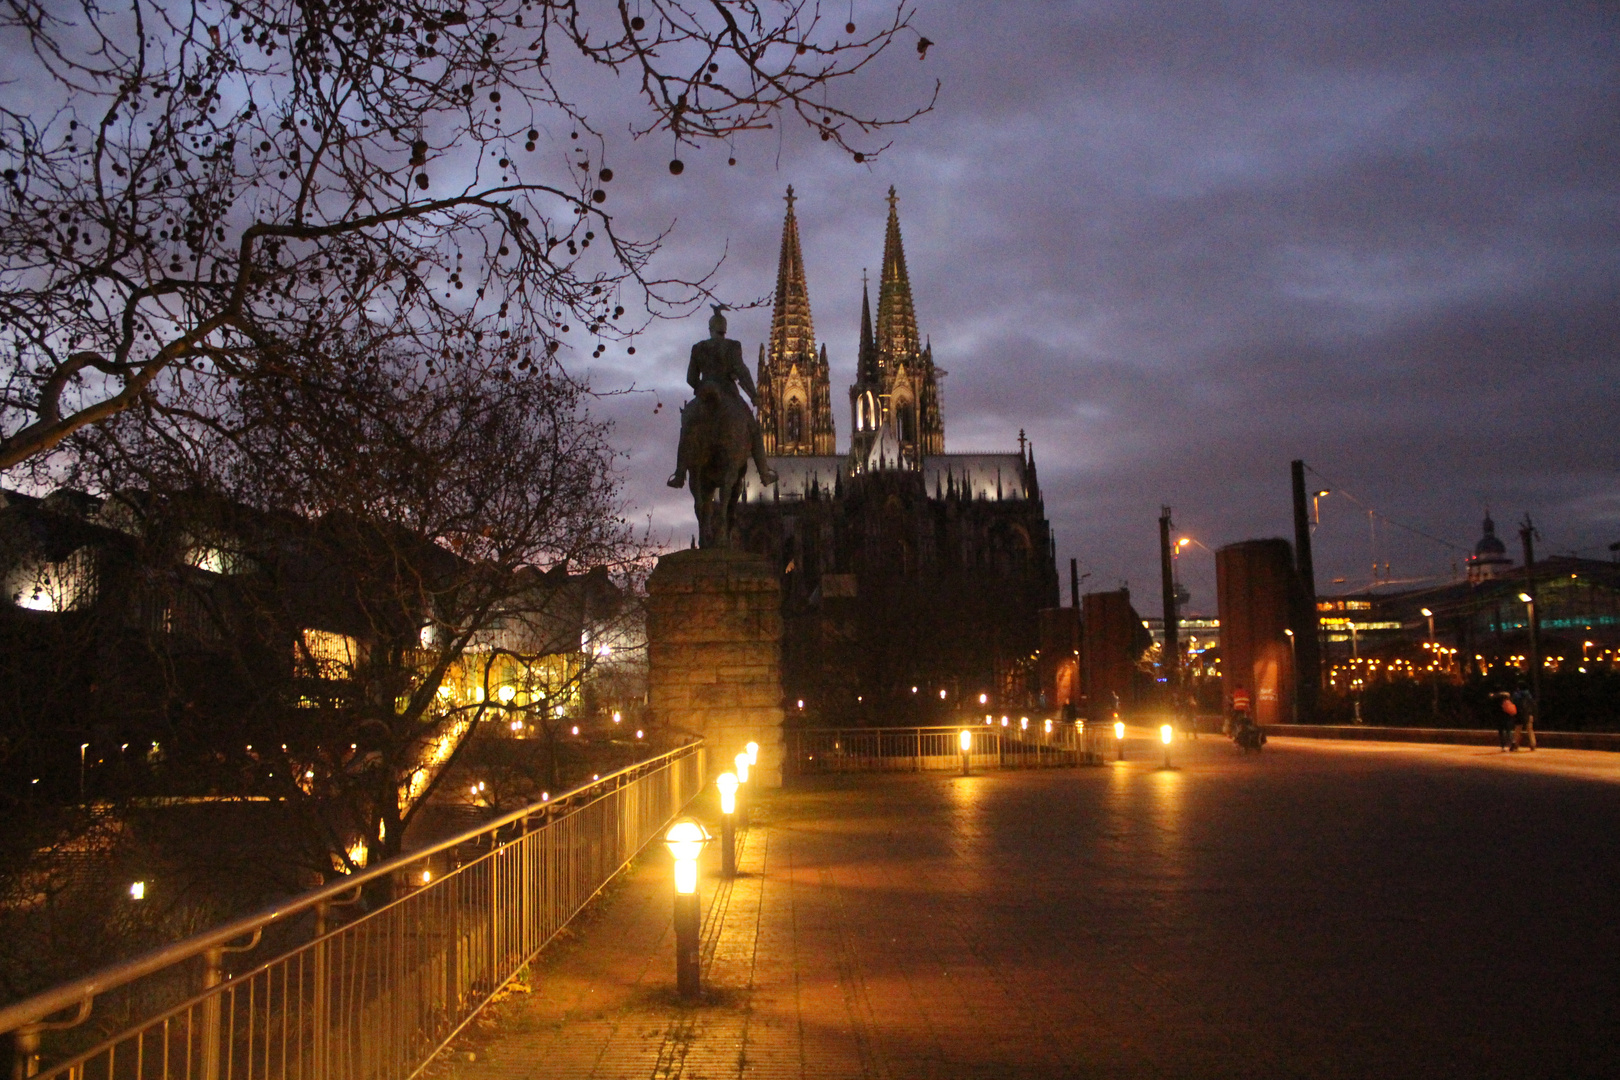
{"points": [[911, 578]]}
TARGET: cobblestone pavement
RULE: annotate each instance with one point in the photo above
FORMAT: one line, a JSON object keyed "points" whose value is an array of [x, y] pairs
{"points": [[1318, 910]]}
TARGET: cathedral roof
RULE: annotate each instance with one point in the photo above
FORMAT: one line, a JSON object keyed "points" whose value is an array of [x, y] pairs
{"points": [[792, 332], [897, 317]]}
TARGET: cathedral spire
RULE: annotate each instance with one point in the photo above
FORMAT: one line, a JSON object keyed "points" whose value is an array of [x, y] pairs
{"points": [[792, 333], [795, 408], [897, 317], [866, 362]]}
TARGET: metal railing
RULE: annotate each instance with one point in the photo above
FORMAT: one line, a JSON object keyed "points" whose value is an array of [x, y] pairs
{"points": [[376, 998], [919, 749]]}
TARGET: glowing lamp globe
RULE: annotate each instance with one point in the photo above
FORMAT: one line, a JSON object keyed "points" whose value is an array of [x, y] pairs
{"points": [[727, 783]]}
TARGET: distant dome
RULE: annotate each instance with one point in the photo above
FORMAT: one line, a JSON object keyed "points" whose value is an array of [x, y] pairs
{"points": [[1490, 556], [1490, 544]]}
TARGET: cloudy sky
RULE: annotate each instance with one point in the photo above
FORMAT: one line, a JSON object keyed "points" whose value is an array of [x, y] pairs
{"points": [[1182, 243]]}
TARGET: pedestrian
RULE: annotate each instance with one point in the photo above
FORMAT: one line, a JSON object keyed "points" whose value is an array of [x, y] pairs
{"points": [[1506, 710], [1525, 702]]}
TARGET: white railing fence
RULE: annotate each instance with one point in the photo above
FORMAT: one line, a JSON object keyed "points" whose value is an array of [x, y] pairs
{"points": [[377, 997]]}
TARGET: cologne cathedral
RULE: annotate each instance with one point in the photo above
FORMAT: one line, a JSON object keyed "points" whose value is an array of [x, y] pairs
{"points": [[911, 578]]}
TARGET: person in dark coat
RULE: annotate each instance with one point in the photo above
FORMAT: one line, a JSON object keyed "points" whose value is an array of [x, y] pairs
{"points": [[1505, 711], [1525, 704]]}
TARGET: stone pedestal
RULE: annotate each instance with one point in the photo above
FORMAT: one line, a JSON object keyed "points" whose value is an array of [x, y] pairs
{"points": [[714, 640]]}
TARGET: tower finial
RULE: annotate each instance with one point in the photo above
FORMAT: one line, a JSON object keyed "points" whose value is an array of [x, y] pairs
{"points": [[790, 197], [893, 198]]}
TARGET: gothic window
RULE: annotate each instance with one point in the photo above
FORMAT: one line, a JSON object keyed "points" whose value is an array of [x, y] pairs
{"points": [[908, 422], [795, 421]]}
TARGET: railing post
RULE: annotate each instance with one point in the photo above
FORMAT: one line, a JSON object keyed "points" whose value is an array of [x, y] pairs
{"points": [[495, 860], [213, 975], [319, 1031], [25, 1052]]}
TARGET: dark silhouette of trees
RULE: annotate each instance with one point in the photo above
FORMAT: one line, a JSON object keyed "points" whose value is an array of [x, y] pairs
{"points": [[216, 189]]}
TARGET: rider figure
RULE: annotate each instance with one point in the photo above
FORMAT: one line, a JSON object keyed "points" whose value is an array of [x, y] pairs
{"points": [[718, 362]]}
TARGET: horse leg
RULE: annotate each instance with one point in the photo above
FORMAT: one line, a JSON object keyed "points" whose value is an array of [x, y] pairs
{"points": [[700, 508]]}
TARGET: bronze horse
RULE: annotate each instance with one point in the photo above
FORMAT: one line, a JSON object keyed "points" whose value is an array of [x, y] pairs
{"points": [[716, 443]]}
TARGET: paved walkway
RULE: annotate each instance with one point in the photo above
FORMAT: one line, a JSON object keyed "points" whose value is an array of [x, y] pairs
{"points": [[1318, 910]]}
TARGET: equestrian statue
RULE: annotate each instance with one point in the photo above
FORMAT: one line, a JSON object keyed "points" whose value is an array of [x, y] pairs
{"points": [[719, 433]]}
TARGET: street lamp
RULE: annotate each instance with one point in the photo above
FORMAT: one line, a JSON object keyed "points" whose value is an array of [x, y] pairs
{"points": [[1165, 732], [685, 840], [964, 739], [727, 783], [1434, 657], [1293, 672], [1119, 737]]}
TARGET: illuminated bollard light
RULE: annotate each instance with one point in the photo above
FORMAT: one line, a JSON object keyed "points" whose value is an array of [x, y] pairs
{"points": [[685, 840], [753, 753], [964, 739], [727, 783], [741, 762], [1119, 737], [1165, 734]]}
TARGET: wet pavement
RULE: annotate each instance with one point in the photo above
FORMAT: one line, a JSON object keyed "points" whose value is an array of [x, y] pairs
{"points": [[1318, 910]]}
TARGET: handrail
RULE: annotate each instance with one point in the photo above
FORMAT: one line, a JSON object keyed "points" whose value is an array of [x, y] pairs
{"points": [[34, 1010]]}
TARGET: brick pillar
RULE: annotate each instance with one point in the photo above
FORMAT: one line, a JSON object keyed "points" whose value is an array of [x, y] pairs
{"points": [[714, 639]]}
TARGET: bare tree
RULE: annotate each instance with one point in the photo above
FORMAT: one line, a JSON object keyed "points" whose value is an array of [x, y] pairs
{"points": [[397, 537], [219, 186]]}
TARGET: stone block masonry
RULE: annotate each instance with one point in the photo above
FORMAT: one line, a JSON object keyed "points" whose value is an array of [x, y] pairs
{"points": [[714, 641]]}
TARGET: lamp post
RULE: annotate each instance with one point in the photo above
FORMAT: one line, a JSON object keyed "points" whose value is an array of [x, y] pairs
{"points": [[1165, 733], [1434, 657], [964, 739], [1355, 665], [727, 783], [685, 840], [1535, 646], [1119, 737], [1293, 674]]}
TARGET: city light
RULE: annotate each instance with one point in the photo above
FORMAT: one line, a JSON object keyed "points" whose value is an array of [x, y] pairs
{"points": [[685, 840], [137, 890], [727, 783], [1164, 733], [753, 753], [741, 761], [506, 694], [965, 740], [1119, 729]]}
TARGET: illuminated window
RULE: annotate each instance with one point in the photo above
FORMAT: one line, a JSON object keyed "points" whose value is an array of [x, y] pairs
{"points": [[68, 585], [321, 654]]}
